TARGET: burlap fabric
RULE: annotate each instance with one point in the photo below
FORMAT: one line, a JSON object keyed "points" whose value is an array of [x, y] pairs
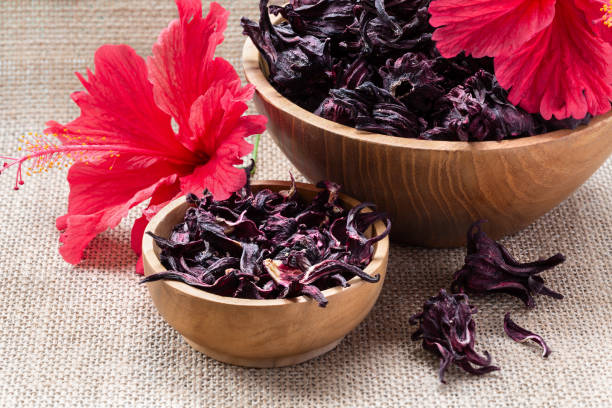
{"points": [[90, 335]]}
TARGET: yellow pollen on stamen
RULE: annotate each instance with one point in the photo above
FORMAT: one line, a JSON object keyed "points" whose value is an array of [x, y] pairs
{"points": [[607, 17]]}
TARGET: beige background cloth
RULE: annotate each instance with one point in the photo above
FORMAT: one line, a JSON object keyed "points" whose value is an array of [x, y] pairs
{"points": [[90, 335]]}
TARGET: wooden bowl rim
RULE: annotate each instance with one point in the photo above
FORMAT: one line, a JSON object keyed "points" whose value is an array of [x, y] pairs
{"points": [[381, 252], [255, 76]]}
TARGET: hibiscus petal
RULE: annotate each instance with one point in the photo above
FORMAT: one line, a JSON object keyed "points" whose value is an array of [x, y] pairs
{"points": [[487, 27], [100, 198], [163, 194], [217, 114], [137, 234], [563, 71], [140, 266], [118, 107], [220, 71], [219, 175], [182, 67]]}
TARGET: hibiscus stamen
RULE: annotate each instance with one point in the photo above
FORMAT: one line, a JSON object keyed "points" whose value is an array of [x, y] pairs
{"points": [[607, 17], [44, 152]]}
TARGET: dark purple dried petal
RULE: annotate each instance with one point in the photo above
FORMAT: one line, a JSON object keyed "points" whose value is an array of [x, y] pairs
{"points": [[412, 80], [266, 200], [489, 267], [520, 335], [358, 245], [295, 259], [338, 280], [226, 285], [195, 270], [295, 62], [330, 267], [180, 234], [383, 34], [279, 228], [448, 330], [247, 289], [320, 18], [178, 248], [299, 289], [353, 75], [311, 219], [338, 231], [265, 246], [392, 119], [223, 212], [289, 194], [327, 48], [242, 229], [344, 106], [480, 110], [218, 268], [369, 107], [328, 198]]}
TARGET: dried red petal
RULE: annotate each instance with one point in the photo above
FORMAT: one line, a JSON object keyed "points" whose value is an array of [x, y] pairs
{"points": [[519, 334]]}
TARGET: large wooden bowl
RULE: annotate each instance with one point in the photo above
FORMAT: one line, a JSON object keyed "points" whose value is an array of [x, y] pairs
{"points": [[434, 190], [260, 333]]}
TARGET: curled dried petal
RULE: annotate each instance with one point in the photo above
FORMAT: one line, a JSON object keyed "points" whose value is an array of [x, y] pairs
{"points": [[359, 246], [520, 335]]}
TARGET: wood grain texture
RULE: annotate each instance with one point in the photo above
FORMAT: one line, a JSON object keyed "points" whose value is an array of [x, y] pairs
{"points": [[260, 333], [433, 190]]}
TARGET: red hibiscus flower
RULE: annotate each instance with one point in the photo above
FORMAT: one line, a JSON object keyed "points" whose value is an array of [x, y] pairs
{"points": [[555, 56], [124, 144]]}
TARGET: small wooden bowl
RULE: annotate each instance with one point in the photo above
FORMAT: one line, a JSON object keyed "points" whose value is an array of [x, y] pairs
{"points": [[434, 190], [260, 333]]}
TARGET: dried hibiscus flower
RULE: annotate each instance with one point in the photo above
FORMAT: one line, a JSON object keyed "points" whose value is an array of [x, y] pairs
{"points": [[518, 334], [373, 65], [479, 109], [448, 330], [270, 245], [489, 267]]}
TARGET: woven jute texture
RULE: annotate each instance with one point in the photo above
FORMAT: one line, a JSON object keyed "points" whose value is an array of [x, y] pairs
{"points": [[90, 335]]}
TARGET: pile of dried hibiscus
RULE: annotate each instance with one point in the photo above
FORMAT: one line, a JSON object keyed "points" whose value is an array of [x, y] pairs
{"points": [[372, 65], [446, 326], [270, 245]]}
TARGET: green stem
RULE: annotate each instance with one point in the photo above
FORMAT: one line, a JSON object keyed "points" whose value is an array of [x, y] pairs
{"points": [[255, 150]]}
